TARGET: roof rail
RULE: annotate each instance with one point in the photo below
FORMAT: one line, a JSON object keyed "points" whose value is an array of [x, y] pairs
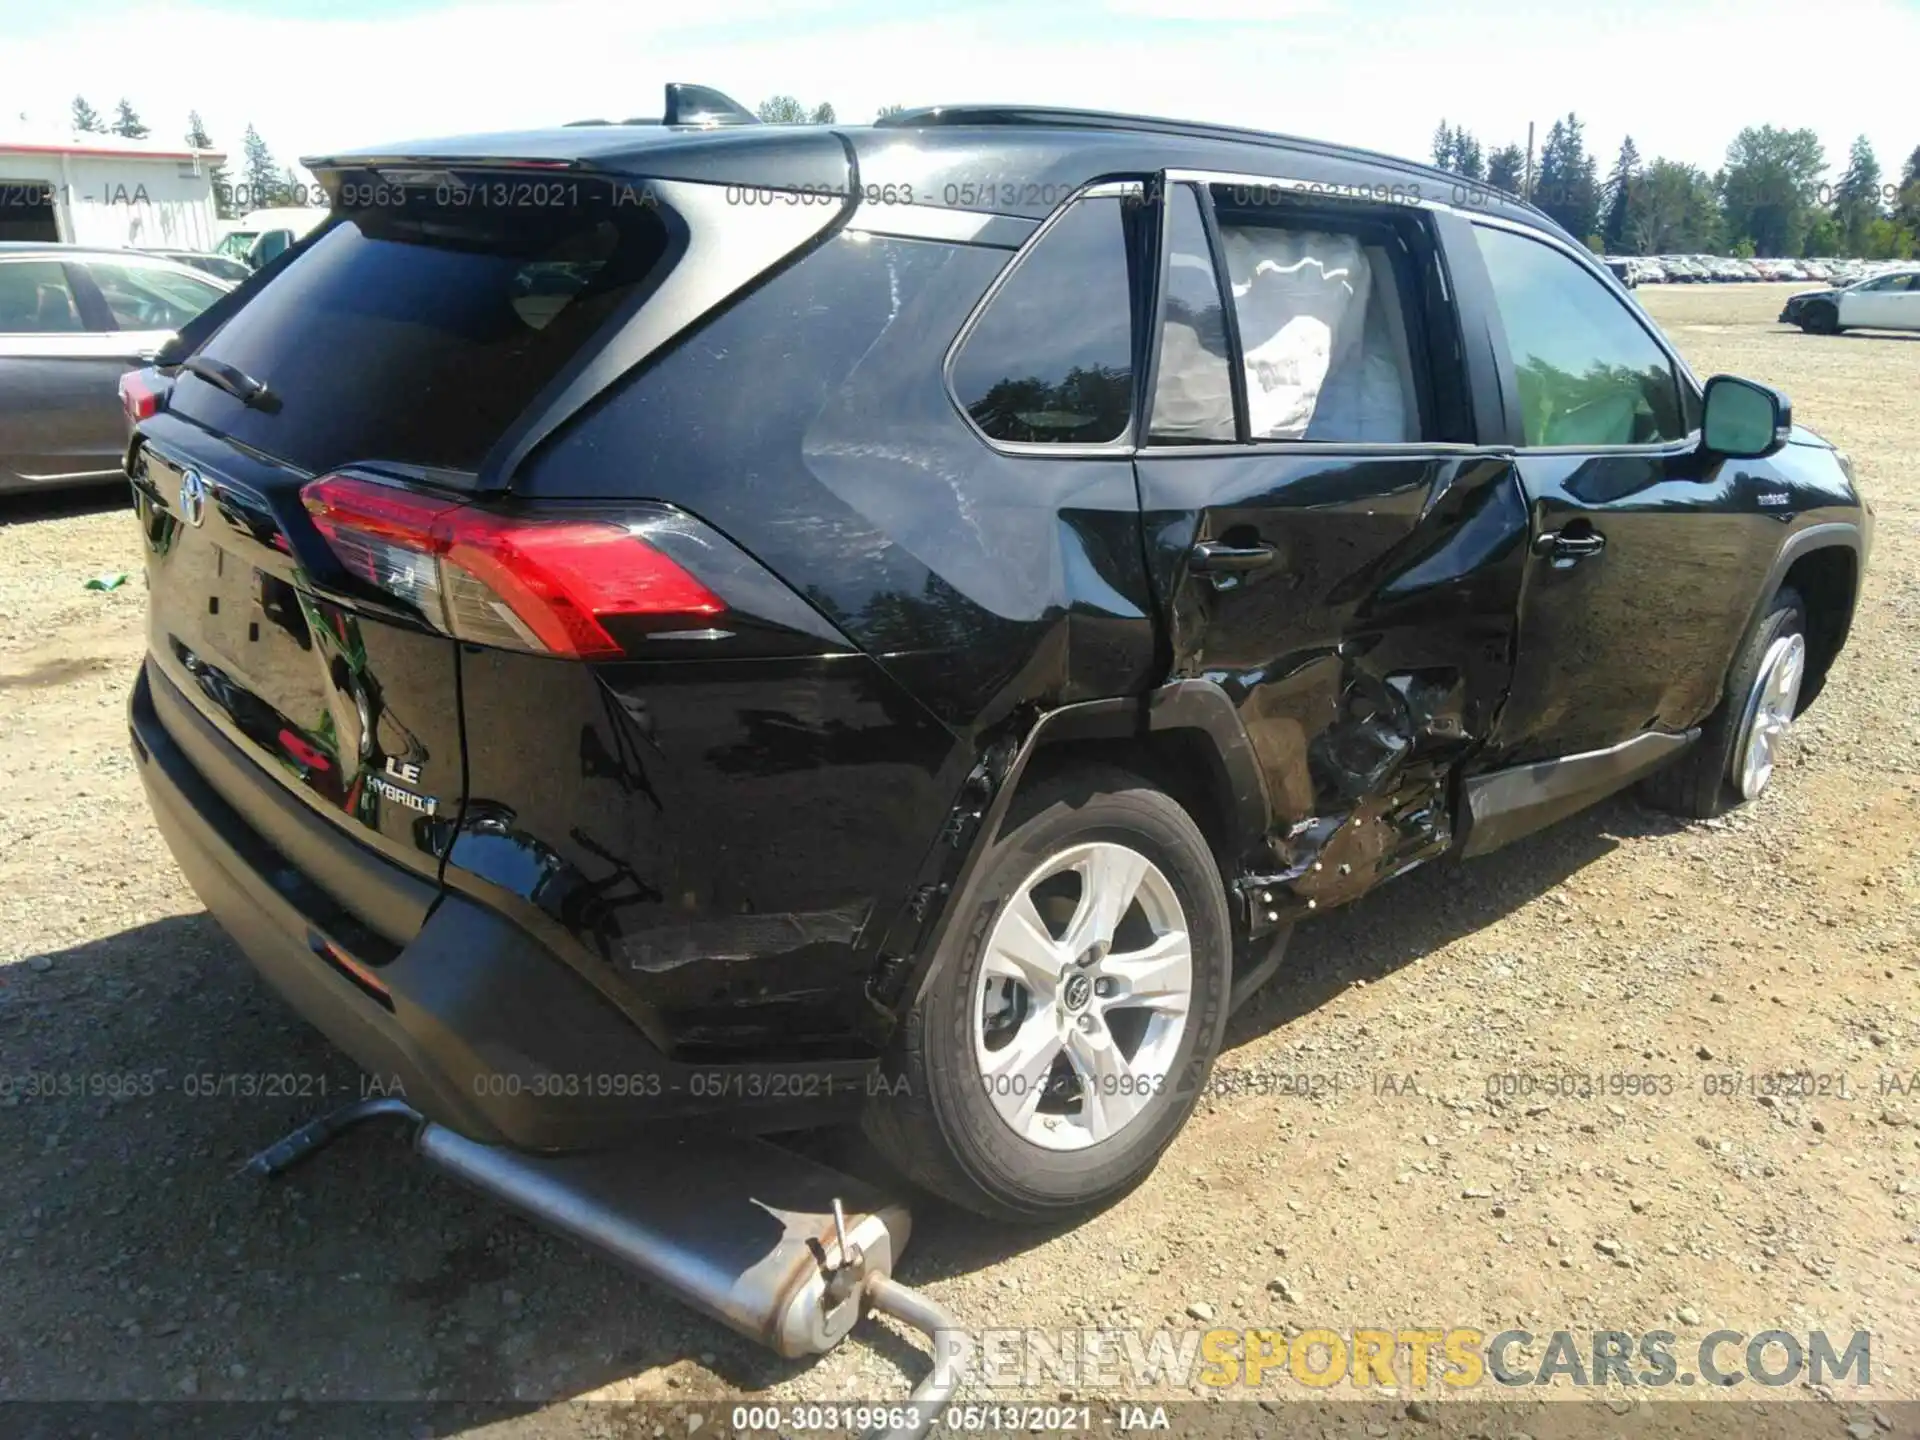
{"points": [[1057, 117]]}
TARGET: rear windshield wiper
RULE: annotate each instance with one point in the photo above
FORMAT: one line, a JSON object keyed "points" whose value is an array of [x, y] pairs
{"points": [[236, 382]]}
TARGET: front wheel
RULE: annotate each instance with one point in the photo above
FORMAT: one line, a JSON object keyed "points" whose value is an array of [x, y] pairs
{"points": [[1074, 1013], [1732, 761], [1821, 320]]}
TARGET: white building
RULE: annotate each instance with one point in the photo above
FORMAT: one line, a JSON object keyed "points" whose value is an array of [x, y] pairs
{"points": [[106, 190]]}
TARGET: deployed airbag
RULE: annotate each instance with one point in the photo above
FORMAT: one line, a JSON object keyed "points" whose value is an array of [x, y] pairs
{"points": [[1325, 349]]}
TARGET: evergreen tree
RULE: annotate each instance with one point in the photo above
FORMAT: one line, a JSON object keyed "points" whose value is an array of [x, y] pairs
{"points": [[129, 123], [1906, 210], [822, 114], [86, 119], [1566, 187], [1468, 159], [198, 139], [886, 110], [1506, 169], [1856, 199], [260, 175], [1456, 149], [1616, 225]]}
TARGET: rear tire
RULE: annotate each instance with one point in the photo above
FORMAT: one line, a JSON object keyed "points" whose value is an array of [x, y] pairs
{"points": [[1720, 771], [972, 1108]]}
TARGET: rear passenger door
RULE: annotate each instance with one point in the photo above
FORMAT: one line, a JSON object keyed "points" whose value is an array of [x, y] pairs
{"points": [[1331, 544]]}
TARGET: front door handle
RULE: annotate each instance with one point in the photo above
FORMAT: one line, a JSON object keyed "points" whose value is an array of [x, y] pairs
{"points": [[1565, 549], [1211, 557]]}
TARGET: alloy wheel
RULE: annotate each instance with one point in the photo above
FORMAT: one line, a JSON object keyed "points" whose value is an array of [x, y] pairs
{"points": [[1082, 996], [1770, 710]]}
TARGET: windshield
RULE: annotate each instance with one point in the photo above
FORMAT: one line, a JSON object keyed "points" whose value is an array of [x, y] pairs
{"points": [[236, 244]]}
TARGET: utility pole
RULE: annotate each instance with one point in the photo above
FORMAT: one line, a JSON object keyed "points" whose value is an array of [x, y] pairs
{"points": [[1526, 190]]}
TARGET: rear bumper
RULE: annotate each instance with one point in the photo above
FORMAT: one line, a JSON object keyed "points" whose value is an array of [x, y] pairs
{"points": [[477, 1024]]}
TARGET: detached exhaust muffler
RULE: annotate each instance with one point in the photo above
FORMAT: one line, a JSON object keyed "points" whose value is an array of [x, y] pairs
{"points": [[785, 1251]]}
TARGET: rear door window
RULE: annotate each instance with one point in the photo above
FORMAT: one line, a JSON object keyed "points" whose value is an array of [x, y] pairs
{"points": [[1050, 359], [1193, 377], [1323, 318], [418, 330], [35, 299]]}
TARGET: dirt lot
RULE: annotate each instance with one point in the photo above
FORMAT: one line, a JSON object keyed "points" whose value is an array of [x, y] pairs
{"points": [[135, 1264]]}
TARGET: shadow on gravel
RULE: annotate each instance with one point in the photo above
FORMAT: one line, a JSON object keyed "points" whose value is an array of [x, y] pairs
{"points": [[25, 506], [145, 1067], [1418, 913]]}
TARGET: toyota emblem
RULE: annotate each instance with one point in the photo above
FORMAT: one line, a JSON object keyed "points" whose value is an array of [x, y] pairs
{"points": [[193, 497]]}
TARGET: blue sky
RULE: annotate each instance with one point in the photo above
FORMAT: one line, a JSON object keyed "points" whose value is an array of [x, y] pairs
{"points": [[1682, 76]]}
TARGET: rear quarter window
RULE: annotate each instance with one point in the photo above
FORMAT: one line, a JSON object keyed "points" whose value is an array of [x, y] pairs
{"points": [[1050, 359]]}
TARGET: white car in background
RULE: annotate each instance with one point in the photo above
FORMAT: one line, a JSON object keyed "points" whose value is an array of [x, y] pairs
{"points": [[1888, 301]]}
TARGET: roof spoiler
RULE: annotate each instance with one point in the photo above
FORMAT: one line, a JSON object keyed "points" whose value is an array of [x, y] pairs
{"points": [[696, 106]]}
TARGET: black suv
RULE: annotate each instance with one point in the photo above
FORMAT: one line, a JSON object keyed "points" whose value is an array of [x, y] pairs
{"points": [[782, 623]]}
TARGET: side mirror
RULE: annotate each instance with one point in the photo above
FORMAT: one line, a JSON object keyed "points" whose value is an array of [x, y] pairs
{"points": [[1743, 419]]}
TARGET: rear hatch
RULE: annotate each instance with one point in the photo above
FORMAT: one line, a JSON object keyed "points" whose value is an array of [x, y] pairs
{"points": [[400, 348]]}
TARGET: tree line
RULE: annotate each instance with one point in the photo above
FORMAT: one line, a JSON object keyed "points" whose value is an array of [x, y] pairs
{"points": [[263, 182], [1769, 197]]}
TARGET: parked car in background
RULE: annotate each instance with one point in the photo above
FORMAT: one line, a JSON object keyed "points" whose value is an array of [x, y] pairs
{"points": [[72, 321], [926, 655], [1887, 301], [221, 267], [258, 237]]}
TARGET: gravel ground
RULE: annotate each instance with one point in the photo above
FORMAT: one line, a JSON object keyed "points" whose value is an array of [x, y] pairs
{"points": [[1397, 1192]]}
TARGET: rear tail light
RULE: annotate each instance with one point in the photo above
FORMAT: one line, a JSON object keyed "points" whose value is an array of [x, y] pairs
{"points": [[546, 584], [142, 394]]}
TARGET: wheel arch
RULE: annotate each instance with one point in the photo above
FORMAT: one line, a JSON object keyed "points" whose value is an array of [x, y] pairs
{"points": [[1827, 577], [1186, 736]]}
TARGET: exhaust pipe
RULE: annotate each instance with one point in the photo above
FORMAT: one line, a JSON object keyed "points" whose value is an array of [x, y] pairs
{"points": [[783, 1250]]}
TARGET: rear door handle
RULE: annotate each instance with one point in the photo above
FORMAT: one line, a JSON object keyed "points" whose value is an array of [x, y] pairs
{"points": [[1566, 549], [1211, 557]]}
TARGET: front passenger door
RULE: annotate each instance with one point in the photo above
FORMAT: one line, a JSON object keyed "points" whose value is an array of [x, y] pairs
{"points": [[1879, 304], [1638, 579]]}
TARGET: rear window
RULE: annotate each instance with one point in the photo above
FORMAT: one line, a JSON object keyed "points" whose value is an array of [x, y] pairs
{"points": [[418, 330]]}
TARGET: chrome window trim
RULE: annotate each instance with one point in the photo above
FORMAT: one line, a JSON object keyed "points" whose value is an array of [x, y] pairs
{"points": [[1386, 449], [911, 221]]}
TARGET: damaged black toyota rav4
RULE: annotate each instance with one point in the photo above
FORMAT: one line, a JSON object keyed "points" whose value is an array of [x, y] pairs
{"points": [[782, 623]]}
